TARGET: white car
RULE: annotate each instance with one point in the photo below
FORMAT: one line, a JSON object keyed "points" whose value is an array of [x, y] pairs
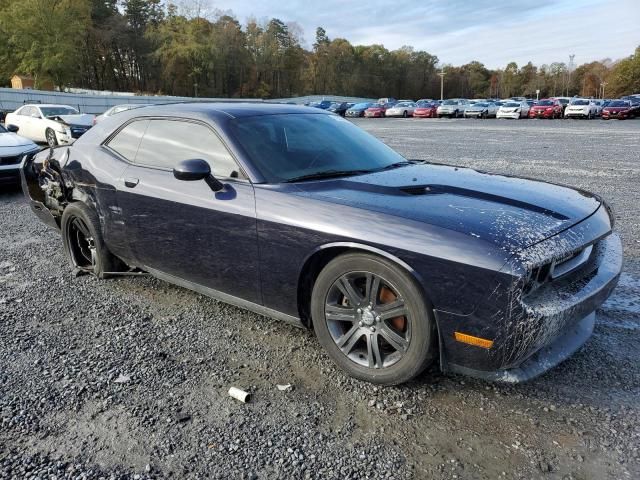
{"points": [[581, 107], [454, 107], [12, 148], [401, 109], [53, 124], [513, 109]]}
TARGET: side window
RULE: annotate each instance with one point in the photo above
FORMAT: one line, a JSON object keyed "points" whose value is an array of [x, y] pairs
{"points": [[25, 111], [167, 142], [127, 140]]}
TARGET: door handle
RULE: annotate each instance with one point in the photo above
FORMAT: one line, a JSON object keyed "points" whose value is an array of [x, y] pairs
{"points": [[131, 182]]}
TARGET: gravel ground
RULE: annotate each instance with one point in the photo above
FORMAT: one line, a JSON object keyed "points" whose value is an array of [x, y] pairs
{"points": [[128, 378]]}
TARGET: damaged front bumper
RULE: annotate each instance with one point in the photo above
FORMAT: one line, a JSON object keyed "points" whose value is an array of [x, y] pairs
{"points": [[547, 326]]}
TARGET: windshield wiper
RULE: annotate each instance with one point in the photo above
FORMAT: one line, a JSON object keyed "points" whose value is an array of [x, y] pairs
{"points": [[327, 174], [404, 163]]}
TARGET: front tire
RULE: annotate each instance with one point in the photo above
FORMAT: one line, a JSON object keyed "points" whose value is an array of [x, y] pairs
{"points": [[372, 319], [83, 242], [50, 135]]}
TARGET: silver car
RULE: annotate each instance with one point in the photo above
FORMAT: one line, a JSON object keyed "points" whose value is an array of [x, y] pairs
{"points": [[454, 107], [481, 110], [401, 109]]}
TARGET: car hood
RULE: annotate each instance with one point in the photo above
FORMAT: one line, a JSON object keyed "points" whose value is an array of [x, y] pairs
{"points": [[10, 139], [512, 213], [81, 119]]}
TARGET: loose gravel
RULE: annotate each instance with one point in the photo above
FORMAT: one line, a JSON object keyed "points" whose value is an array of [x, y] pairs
{"points": [[128, 378]]}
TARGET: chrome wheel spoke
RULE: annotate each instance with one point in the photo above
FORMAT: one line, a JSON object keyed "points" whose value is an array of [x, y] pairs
{"points": [[337, 313], [394, 309], [349, 291], [373, 351], [371, 289], [349, 339], [394, 339]]}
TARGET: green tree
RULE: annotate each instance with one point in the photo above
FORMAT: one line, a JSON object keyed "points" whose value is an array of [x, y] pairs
{"points": [[43, 37], [624, 78]]}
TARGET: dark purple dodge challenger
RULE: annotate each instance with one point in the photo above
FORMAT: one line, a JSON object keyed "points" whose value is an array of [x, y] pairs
{"points": [[297, 214]]}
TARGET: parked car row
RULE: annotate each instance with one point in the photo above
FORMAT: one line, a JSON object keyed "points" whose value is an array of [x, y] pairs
{"points": [[513, 108]]}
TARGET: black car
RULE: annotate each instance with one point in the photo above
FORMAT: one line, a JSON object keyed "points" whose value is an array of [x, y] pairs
{"points": [[298, 214], [358, 109], [340, 108], [323, 105]]}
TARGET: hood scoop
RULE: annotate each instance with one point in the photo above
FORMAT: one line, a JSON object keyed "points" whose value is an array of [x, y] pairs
{"points": [[417, 190]]}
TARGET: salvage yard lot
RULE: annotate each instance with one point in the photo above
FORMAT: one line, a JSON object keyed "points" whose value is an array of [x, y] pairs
{"points": [[64, 342]]}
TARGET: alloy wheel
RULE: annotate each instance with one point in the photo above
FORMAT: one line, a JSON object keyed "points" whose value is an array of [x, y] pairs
{"points": [[81, 244], [368, 319]]}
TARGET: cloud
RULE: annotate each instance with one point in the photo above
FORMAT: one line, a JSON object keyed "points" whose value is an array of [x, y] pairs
{"points": [[493, 32]]}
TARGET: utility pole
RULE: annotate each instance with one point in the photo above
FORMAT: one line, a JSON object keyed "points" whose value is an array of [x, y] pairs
{"points": [[571, 57], [441, 74]]}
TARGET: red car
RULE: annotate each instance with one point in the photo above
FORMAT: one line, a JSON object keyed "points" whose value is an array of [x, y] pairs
{"points": [[546, 108], [426, 110], [377, 110], [619, 109]]}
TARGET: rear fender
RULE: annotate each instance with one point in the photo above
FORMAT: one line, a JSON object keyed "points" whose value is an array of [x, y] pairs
{"points": [[45, 186]]}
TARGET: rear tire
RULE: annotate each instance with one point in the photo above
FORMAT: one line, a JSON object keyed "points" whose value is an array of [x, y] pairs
{"points": [[83, 242], [348, 303]]}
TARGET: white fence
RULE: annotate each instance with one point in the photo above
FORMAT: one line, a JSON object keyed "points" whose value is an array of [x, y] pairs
{"points": [[94, 103]]}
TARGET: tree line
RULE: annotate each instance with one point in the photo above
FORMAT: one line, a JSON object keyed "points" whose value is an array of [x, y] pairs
{"points": [[158, 46]]}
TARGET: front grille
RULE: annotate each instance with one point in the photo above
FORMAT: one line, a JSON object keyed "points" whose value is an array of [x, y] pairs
{"points": [[10, 160]]}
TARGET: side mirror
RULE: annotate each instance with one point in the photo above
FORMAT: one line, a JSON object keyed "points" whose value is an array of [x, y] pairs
{"points": [[13, 128], [197, 169]]}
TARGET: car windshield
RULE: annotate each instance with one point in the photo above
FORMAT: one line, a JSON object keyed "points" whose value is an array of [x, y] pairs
{"points": [[450, 102], [403, 104], [481, 104], [619, 103], [580, 102], [3, 130], [545, 103], [511, 104], [53, 111], [361, 105], [284, 147]]}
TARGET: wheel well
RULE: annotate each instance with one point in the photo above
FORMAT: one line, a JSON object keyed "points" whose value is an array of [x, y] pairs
{"points": [[308, 275], [314, 265]]}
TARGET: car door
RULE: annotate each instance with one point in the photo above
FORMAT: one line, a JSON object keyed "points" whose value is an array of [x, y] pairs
{"points": [[183, 228], [22, 119]]}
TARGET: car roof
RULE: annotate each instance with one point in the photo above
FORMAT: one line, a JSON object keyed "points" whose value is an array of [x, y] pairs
{"points": [[222, 109], [47, 105]]}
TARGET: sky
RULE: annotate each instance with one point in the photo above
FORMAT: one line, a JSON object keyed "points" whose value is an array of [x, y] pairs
{"points": [[493, 32]]}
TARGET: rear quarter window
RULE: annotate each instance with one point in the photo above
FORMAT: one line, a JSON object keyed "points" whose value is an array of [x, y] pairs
{"points": [[127, 140]]}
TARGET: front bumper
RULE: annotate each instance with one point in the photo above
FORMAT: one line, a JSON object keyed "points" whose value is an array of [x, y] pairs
{"points": [[541, 114], [549, 325], [514, 115]]}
